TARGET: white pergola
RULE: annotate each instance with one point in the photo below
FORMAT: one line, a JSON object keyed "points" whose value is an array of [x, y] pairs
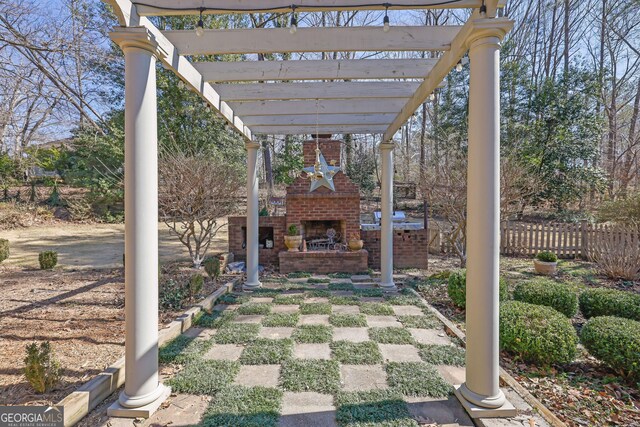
{"points": [[379, 97]]}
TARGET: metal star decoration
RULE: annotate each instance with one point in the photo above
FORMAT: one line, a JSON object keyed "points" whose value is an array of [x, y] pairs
{"points": [[321, 174]]}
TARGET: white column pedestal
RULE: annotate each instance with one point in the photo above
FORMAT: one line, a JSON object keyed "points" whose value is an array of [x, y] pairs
{"points": [[386, 222], [143, 393], [481, 394], [252, 262]]}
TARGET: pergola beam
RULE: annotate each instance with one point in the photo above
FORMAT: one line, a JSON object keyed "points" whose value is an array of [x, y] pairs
{"points": [[330, 106], [354, 69], [324, 119], [307, 130], [313, 39], [342, 90], [446, 62], [190, 7]]}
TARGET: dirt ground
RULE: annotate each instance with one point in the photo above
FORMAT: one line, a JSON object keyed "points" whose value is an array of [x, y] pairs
{"points": [[89, 246]]}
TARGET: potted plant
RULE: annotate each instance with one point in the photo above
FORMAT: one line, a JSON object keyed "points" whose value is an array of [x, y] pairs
{"points": [[355, 242], [293, 240], [546, 263]]}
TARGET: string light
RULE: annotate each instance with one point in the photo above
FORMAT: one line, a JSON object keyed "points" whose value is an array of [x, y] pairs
{"points": [[385, 23], [432, 97], [200, 26], [459, 66], [294, 22]]}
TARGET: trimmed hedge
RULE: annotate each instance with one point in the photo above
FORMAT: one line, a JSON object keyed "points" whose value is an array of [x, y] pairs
{"points": [[610, 302], [616, 342], [48, 259], [457, 288], [4, 249], [549, 293], [537, 334]]}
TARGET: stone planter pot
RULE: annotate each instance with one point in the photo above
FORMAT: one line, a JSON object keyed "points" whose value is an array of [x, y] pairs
{"points": [[293, 243], [355, 245], [546, 268]]}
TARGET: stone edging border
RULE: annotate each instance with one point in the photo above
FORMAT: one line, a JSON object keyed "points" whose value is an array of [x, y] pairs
{"points": [[89, 395], [505, 377]]}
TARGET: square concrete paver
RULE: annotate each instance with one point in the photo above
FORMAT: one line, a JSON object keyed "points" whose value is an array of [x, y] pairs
{"points": [[399, 353], [319, 300], [383, 322], [275, 333], [407, 310], [307, 409], [193, 332], [430, 336], [225, 307], [452, 374], [363, 377], [187, 408], [249, 318], [345, 309], [263, 300], [224, 352], [258, 375], [312, 351], [350, 334], [314, 319], [359, 278], [285, 308], [443, 411]]}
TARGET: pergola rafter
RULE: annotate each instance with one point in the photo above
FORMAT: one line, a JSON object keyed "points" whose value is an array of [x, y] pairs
{"points": [[313, 107]]}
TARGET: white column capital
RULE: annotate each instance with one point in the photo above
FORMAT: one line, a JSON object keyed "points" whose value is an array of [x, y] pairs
{"points": [[137, 37], [486, 30], [387, 146], [251, 145]]}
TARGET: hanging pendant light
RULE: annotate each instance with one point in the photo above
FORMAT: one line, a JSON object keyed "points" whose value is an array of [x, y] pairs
{"points": [[200, 26], [385, 22]]}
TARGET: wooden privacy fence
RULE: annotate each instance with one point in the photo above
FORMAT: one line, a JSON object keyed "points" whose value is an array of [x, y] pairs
{"points": [[577, 240]]}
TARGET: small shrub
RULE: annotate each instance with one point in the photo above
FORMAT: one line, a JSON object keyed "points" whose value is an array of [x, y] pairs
{"points": [[41, 367], [196, 283], [617, 253], [547, 292], [536, 334], [546, 256], [292, 230], [212, 267], [4, 249], [48, 259], [610, 302], [616, 342], [171, 295], [457, 288]]}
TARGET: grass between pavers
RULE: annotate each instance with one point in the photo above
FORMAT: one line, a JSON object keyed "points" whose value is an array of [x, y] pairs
{"points": [[312, 334], [376, 309], [237, 333], [420, 322], [438, 354], [265, 292], [342, 300], [384, 408], [390, 335], [315, 308], [356, 353], [241, 406], [416, 379], [348, 320], [255, 308], [341, 286], [299, 375], [231, 299], [281, 320], [265, 351], [284, 299], [321, 293], [215, 319], [298, 275], [340, 275], [315, 280], [404, 300], [204, 377], [375, 293], [183, 349]]}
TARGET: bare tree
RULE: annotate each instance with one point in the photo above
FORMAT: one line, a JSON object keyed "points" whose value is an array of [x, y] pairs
{"points": [[196, 192]]}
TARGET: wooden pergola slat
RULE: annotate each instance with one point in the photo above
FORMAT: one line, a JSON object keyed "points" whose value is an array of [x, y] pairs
{"points": [[341, 39], [342, 90], [328, 106], [354, 69], [306, 130], [324, 119]]}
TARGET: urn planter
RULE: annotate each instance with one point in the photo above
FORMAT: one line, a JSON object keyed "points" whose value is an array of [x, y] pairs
{"points": [[545, 268], [355, 244], [293, 243]]}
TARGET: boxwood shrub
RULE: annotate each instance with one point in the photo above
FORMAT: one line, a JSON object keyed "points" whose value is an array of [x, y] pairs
{"points": [[48, 259], [547, 292], [610, 302], [616, 342], [457, 288], [536, 334]]}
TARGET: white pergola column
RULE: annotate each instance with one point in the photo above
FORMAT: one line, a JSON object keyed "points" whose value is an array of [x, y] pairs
{"points": [[252, 262], [481, 393], [386, 222], [143, 393]]}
